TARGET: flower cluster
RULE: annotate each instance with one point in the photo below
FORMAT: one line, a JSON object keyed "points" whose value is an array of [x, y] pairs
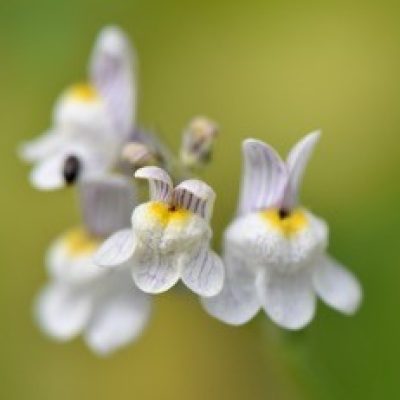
{"points": [[104, 272]]}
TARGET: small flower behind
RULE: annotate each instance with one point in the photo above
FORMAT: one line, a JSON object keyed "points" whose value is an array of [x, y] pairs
{"points": [[91, 121], [275, 250], [82, 298], [169, 239]]}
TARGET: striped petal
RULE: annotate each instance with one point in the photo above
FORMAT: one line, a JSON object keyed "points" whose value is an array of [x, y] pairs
{"points": [[336, 286], [238, 302], [159, 181], [195, 196], [118, 319], [111, 72], [154, 272], [296, 163], [203, 271], [116, 250], [106, 204], [62, 312], [288, 299], [264, 177]]}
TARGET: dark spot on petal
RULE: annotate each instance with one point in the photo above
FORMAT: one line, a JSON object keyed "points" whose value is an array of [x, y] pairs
{"points": [[71, 169]]}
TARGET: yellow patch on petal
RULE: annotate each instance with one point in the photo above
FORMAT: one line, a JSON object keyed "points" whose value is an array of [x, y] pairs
{"points": [[79, 242], [288, 225], [166, 215], [84, 92]]}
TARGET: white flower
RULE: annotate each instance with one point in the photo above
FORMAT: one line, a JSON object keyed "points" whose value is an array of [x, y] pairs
{"points": [[275, 250], [169, 239], [82, 298], [91, 121]]}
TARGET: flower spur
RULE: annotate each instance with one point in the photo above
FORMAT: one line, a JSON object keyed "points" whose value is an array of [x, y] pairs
{"points": [[91, 121], [275, 251], [169, 239], [82, 298]]}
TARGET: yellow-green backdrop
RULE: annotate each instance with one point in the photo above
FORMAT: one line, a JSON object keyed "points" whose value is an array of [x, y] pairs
{"points": [[274, 70]]}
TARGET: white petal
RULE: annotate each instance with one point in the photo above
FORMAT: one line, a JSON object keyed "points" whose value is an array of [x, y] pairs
{"points": [[159, 181], [95, 161], [67, 268], [238, 302], [264, 177], [107, 203], [195, 196], [116, 250], [111, 71], [336, 286], [48, 174], [297, 161], [62, 312], [154, 272], [118, 319], [88, 120], [288, 299], [41, 147], [203, 271]]}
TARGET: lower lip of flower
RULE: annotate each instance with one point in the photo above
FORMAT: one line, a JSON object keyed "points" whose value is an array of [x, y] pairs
{"points": [[288, 223]]}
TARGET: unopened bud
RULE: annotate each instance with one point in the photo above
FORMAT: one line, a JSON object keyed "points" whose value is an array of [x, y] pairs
{"points": [[138, 155], [197, 142]]}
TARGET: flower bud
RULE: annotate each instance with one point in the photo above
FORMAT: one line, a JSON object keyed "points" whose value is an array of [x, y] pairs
{"points": [[139, 155], [197, 142]]}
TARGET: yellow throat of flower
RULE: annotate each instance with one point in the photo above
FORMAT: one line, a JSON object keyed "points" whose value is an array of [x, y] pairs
{"points": [[79, 242], [83, 92], [288, 224], [165, 215]]}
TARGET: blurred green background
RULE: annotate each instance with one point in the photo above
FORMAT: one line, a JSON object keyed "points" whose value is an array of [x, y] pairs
{"points": [[274, 70]]}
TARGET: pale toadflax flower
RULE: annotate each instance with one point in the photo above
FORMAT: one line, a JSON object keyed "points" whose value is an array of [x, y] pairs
{"points": [[169, 239], [82, 298], [91, 121], [275, 250]]}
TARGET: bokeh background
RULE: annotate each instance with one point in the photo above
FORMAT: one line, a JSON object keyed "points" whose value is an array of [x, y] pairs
{"points": [[274, 70]]}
